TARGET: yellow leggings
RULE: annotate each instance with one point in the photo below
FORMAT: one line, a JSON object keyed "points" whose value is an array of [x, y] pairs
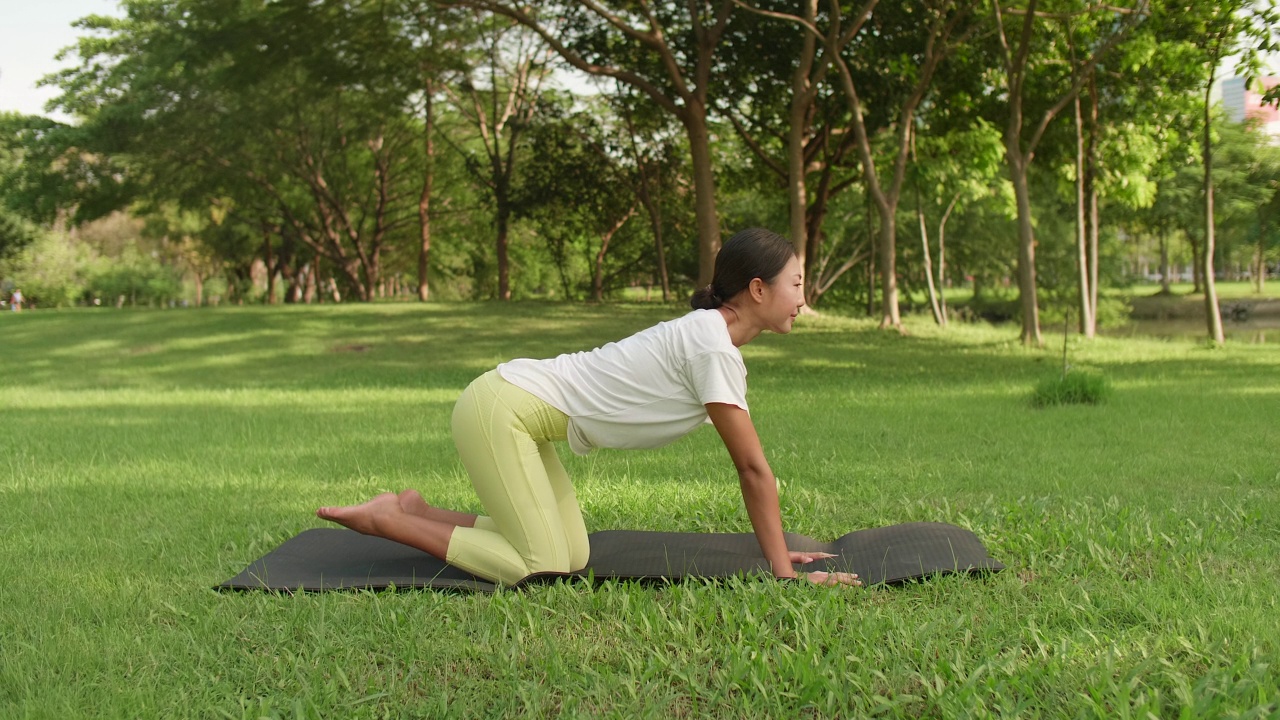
{"points": [[504, 435]]}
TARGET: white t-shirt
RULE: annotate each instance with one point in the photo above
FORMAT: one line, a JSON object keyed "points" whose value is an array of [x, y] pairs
{"points": [[644, 391]]}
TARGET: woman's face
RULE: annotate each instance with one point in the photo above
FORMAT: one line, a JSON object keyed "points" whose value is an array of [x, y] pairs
{"points": [[784, 297]]}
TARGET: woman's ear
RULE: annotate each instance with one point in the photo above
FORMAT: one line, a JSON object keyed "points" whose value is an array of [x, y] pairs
{"points": [[757, 289]]}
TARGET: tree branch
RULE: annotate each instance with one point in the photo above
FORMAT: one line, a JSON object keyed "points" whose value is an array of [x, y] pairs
{"points": [[1082, 73], [755, 146], [573, 58]]}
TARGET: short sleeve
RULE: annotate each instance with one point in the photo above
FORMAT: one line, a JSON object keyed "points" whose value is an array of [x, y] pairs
{"points": [[718, 377]]}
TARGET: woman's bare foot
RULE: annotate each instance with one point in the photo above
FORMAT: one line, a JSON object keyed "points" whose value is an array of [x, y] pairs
{"points": [[362, 518], [411, 502]]}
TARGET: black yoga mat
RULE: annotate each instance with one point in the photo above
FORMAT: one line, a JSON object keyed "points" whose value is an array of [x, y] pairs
{"points": [[339, 559]]}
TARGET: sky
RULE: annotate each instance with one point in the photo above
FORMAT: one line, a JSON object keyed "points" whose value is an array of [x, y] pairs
{"points": [[31, 34]]}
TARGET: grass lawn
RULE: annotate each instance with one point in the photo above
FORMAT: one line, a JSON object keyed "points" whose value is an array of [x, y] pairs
{"points": [[146, 456]]}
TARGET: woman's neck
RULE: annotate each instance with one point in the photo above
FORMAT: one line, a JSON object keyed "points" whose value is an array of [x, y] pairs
{"points": [[741, 329]]}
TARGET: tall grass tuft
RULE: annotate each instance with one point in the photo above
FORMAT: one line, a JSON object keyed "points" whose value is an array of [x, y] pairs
{"points": [[1071, 388]]}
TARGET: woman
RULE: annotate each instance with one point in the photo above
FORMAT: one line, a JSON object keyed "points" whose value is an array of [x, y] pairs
{"points": [[645, 391]]}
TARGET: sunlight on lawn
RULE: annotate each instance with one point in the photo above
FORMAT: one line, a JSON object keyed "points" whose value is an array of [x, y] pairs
{"points": [[148, 456]]}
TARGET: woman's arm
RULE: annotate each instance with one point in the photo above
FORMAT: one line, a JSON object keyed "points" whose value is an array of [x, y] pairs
{"points": [[759, 487], [760, 494]]}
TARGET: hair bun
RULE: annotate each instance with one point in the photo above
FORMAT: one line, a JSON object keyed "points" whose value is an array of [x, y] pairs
{"points": [[705, 298]]}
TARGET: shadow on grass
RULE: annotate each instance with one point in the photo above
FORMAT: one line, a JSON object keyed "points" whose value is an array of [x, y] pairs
{"points": [[445, 346], [347, 346], [194, 445]]}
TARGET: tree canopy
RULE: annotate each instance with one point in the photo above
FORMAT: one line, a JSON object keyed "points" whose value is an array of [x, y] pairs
{"points": [[357, 149]]}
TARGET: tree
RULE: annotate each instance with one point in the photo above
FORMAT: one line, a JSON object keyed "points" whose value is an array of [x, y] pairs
{"points": [[1122, 128], [15, 235], [274, 115], [652, 149], [1020, 74], [500, 107], [1245, 181], [185, 239], [575, 188], [951, 170], [436, 49], [16, 232], [786, 116], [1221, 30], [666, 51], [901, 49]]}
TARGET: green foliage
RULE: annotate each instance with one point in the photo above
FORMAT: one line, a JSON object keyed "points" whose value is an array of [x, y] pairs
{"points": [[578, 188], [1113, 310], [133, 279], [62, 270], [296, 133], [53, 271], [991, 308], [1075, 387], [289, 118], [15, 234]]}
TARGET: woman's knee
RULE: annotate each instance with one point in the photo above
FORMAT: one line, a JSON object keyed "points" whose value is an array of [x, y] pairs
{"points": [[552, 556], [579, 551]]}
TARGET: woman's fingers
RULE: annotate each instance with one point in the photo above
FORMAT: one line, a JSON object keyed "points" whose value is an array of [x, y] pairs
{"points": [[831, 579], [807, 557]]}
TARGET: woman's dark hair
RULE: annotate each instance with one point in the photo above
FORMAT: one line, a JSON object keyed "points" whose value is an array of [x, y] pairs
{"points": [[749, 254]]}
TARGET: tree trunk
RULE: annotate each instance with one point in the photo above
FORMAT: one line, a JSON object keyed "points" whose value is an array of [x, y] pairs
{"points": [[815, 215], [871, 260], [199, 288], [1026, 257], [660, 250], [889, 314], [1091, 195], [1165, 288], [1259, 267], [1197, 265], [500, 116], [271, 273], [309, 293], [938, 317], [704, 190], [597, 277], [1213, 314], [1082, 251], [688, 104], [1019, 159], [887, 201], [504, 263], [797, 192], [942, 255], [801, 101], [424, 200], [372, 278], [293, 293], [654, 209]]}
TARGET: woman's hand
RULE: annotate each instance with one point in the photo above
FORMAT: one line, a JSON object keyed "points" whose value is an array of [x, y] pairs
{"points": [[800, 558], [822, 578], [832, 579]]}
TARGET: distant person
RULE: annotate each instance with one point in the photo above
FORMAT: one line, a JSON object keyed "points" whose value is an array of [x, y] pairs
{"points": [[644, 391], [15, 300]]}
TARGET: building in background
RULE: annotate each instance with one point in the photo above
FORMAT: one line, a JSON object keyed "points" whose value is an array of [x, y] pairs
{"points": [[1245, 104]]}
